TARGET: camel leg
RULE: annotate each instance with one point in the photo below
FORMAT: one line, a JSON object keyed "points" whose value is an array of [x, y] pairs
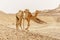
{"points": [[17, 23], [28, 24], [20, 23], [17, 26]]}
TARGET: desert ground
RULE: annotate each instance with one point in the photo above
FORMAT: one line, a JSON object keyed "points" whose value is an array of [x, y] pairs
{"points": [[49, 31]]}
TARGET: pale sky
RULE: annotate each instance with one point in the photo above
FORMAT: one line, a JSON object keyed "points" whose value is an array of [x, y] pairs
{"points": [[12, 6]]}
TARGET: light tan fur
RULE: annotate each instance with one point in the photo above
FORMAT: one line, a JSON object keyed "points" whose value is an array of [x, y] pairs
{"points": [[19, 17], [28, 17]]}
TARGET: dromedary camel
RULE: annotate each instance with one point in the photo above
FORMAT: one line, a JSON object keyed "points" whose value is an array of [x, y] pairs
{"points": [[19, 17], [29, 17]]}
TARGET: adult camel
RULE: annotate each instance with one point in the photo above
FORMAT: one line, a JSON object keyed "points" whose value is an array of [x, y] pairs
{"points": [[19, 17], [23, 16], [29, 17]]}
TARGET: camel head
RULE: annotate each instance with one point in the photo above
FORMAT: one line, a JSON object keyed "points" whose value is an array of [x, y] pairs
{"points": [[20, 11]]}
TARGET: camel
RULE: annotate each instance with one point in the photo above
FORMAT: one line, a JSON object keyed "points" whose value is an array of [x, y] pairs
{"points": [[27, 15], [19, 17]]}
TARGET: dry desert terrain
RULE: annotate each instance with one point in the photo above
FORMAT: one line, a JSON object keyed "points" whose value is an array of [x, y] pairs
{"points": [[49, 31]]}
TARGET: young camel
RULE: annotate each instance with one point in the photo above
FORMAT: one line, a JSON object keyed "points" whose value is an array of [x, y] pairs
{"points": [[19, 17]]}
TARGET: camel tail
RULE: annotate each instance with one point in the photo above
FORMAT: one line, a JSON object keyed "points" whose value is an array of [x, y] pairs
{"points": [[37, 20]]}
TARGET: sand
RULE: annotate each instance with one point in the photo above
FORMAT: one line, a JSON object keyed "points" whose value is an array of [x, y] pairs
{"points": [[49, 31]]}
